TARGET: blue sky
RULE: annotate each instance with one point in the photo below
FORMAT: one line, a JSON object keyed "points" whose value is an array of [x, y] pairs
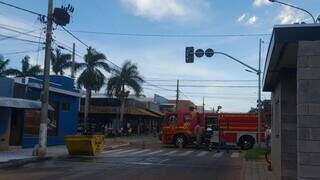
{"points": [[163, 57]]}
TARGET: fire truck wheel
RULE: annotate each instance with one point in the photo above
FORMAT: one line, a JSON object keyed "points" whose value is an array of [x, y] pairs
{"points": [[246, 142], [180, 141]]}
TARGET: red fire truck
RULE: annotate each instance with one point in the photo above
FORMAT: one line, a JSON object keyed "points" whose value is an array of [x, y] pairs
{"points": [[232, 128]]}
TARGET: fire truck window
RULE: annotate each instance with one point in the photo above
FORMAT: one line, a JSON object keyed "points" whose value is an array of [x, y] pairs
{"points": [[187, 118], [172, 119]]}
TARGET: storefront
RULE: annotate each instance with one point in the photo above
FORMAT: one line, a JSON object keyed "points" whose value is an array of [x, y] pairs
{"points": [[20, 125]]}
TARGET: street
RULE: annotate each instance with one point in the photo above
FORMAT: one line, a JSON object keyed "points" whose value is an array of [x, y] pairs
{"points": [[136, 163]]}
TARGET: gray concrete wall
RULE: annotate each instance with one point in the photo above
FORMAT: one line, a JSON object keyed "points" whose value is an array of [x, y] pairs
{"points": [[288, 125], [284, 121], [276, 134], [308, 100]]}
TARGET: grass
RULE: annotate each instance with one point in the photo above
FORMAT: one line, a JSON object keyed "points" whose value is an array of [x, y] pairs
{"points": [[254, 154]]}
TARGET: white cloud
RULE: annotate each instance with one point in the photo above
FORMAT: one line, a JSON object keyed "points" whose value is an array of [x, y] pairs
{"points": [[289, 16], [252, 20], [259, 3], [247, 19], [180, 10], [241, 18]]}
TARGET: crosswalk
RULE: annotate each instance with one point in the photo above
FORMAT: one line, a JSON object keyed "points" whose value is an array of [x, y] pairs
{"points": [[168, 152]]}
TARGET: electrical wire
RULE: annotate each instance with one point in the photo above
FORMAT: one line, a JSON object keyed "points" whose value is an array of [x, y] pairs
{"points": [[170, 35], [20, 39], [20, 8], [217, 86], [20, 52], [200, 80], [20, 32], [74, 36]]}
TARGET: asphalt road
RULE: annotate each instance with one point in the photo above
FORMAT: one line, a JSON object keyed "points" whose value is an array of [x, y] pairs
{"points": [[136, 164]]}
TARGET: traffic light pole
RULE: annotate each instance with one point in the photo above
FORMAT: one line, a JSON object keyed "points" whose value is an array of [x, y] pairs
{"points": [[258, 72], [209, 53]]}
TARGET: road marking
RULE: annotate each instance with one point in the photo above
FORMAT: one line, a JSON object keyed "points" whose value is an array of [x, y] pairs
{"points": [[140, 152], [202, 153], [170, 153], [111, 151], [217, 155], [186, 153], [154, 152], [235, 154], [123, 152]]}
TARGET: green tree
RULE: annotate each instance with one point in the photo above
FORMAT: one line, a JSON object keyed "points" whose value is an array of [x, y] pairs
{"points": [[3, 66], [26, 69], [121, 81], [91, 78], [60, 62]]}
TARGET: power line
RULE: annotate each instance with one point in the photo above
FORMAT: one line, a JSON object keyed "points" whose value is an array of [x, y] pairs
{"points": [[20, 39], [200, 80], [217, 86], [20, 52], [41, 15], [171, 35], [20, 32], [65, 29], [20, 8]]}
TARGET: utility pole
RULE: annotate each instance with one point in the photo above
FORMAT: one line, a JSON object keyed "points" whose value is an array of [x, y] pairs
{"points": [[73, 61], [42, 147], [204, 115], [259, 95], [177, 99]]}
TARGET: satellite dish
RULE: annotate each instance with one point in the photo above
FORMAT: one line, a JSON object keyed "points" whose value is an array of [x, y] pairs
{"points": [[199, 53], [209, 52]]}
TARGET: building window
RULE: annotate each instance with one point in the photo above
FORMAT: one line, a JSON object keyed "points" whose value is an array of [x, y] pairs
{"points": [[65, 106]]}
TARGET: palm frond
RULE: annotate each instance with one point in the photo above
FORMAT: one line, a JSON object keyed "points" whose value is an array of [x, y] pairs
{"points": [[34, 70]]}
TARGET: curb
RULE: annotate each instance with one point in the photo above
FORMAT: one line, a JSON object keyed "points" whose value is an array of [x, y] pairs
{"points": [[21, 162], [116, 146]]}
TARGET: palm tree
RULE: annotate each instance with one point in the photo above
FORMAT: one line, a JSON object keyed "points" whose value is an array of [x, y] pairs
{"points": [[26, 69], [91, 78], [60, 62], [3, 66], [127, 77]]}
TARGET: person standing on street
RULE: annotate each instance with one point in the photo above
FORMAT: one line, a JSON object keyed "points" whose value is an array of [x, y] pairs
{"points": [[198, 133]]}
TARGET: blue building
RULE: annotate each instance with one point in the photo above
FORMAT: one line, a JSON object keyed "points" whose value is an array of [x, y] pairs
{"points": [[20, 110]]}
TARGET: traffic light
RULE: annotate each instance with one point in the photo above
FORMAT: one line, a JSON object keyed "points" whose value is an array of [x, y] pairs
{"points": [[189, 54]]}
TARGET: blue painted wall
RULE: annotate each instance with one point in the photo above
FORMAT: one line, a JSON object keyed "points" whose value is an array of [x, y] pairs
{"points": [[68, 120]]}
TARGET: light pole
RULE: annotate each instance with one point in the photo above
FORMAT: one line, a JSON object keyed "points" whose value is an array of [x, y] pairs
{"points": [[295, 7], [210, 52]]}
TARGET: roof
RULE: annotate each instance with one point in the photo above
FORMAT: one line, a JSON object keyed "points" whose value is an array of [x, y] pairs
{"points": [[115, 110], [282, 51], [21, 103]]}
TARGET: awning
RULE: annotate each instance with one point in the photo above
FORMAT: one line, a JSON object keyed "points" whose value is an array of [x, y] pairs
{"points": [[21, 103], [282, 51]]}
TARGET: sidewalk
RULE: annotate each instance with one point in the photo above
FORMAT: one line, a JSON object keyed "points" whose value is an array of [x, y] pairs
{"points": [[20, 156], [256, 170]]}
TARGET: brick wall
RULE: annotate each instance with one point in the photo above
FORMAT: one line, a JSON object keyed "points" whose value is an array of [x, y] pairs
{"points": [[308, 104]]}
